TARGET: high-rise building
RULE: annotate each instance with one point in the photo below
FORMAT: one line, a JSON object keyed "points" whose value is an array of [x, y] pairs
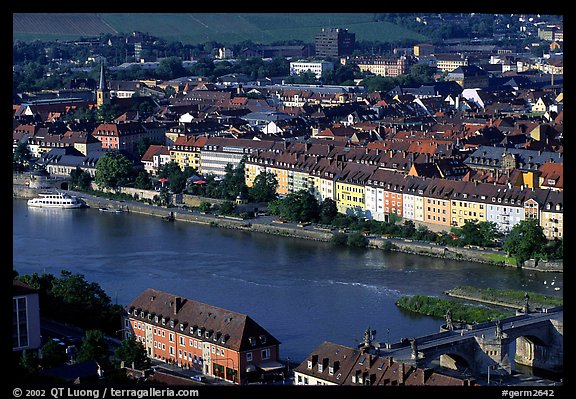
{"points": [[334, 42]]}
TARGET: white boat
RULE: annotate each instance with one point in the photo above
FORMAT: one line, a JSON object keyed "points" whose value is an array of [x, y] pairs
{"points": [[55, 200]]}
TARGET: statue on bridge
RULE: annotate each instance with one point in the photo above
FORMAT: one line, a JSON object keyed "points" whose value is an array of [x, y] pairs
{"points": [[449, 324], [526, 304], [498, 329], [414, 348]]}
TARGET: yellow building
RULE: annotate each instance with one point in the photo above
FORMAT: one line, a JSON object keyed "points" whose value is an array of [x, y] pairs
{"points": [[466, 204], [350, 188], [186, 152]]}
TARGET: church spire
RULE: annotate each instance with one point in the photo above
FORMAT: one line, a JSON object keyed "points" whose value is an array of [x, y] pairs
{"points": [[102, 93], [102, 85]]}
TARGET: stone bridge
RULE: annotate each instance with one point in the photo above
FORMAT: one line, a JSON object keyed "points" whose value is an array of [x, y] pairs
{"points": [[486, 348]]}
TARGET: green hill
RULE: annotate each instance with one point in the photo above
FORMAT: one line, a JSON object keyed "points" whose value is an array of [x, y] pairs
{"points": [[194, 28]]}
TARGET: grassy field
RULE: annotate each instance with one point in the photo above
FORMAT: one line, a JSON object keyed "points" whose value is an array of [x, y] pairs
{"points": [[194, 28]]}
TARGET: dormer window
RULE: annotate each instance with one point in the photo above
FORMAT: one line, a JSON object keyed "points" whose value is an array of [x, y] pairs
{"points": [[263, 339], [309, 364], [252, 341], [320, 367]]}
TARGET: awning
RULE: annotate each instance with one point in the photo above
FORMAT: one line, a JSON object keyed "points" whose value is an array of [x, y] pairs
{"points": [[270, 365]]}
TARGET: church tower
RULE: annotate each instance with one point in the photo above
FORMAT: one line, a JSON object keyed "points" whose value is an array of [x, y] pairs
{"points": [[102, 93]]}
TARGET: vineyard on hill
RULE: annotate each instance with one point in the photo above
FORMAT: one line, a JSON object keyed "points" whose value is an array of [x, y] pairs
{"points": [[195, 28]]}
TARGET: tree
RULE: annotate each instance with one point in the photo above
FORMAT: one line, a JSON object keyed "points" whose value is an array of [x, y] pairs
{"points": [[132, 352], [264, 187], [143, 181], [80, 179], [21, 157], [526, 241], [328, 211], [53, 355], [94, 347], [300, 206], [112, 170]]}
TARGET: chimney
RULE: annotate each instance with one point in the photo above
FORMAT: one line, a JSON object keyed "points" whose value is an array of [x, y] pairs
{"points": [[401, 368], [177, 304], [314, 359]]}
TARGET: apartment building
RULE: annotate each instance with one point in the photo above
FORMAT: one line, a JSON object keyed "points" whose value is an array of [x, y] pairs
{"points": [[220, 343]]}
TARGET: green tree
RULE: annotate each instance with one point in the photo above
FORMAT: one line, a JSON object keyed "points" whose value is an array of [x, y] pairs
{"points": [[264, 187], [205, 206], [300, 206], [328, 211], [80, 179], [112, 170], [227, 208], [94, 347], [233, 183], [53, 355], [170, 68], [526, 241], [84, 302], [357, 239], [132, 352], [143, 181], [21, 158]]}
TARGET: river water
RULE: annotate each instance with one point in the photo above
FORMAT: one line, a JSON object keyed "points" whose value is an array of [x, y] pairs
{"points": [[302, 292]]}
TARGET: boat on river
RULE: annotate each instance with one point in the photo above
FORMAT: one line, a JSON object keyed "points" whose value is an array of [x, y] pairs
{"points": [[56, 200]]}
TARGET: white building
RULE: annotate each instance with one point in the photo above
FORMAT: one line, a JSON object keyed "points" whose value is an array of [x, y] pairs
{"points": [[317, 67]]}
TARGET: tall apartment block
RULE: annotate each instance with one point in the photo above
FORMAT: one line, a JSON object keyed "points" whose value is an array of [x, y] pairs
{"points": [[334, 42]]}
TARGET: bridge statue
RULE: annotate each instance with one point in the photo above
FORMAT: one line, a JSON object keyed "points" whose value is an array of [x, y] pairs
{"points": [[526, 304], [498, 329], [449, 324], [368, 337], [414, 348]]}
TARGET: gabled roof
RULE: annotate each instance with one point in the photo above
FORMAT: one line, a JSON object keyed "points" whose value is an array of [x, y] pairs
{"points": [[236, 329]]}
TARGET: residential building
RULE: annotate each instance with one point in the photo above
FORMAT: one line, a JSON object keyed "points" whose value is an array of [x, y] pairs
{"points": [[384, 66], [126, 136], [154, 158], [25, 317], [413, 198], [219, 343], [437, 202], [334, 364], [218, 152], [449, 62], [350, 188], [552, 215], [334, 42], [186, 151], [318, 68]]}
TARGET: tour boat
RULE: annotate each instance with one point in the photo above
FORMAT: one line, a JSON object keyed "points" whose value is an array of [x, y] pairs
{"points": [[56, 200]]}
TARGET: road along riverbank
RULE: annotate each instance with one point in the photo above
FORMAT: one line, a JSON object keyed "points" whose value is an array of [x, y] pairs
{"points": [[309, 232]]}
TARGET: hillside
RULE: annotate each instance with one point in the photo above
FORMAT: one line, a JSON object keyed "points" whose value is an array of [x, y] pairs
{"points": [[194, 28]]}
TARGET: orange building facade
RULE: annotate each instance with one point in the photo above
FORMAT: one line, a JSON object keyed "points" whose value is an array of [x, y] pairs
{"points": [[216, 342]]}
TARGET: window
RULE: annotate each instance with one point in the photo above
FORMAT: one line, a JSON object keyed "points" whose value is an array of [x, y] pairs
{"points": [[172, 350], [249, 356], [265, 353], [182, 341], [171, 337]]}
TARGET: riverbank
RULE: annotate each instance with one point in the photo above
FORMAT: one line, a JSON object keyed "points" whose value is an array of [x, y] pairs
{"points": [[504, 298], [268, 225]]}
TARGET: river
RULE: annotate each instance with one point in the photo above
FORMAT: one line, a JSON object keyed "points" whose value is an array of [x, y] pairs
{"points": [[303, 292]]}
